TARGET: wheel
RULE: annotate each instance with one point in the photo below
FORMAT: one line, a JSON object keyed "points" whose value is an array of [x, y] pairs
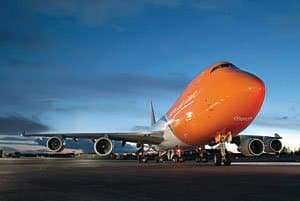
{"points": [[201, 158], [140, 159], [198, 159], [144, 159], [161, 159], [175, 159], [217, 159], [181, 159], [157, 159], [227, 161]]}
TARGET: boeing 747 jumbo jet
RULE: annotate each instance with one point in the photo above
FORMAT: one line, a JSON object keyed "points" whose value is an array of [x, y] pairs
{"points": [[214, 108]]}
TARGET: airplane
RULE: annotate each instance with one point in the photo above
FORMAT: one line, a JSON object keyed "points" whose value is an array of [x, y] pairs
{"points": [[215, 107]]}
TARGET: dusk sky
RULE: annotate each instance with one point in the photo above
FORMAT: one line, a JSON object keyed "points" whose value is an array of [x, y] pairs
{"points": [[95, 65]]}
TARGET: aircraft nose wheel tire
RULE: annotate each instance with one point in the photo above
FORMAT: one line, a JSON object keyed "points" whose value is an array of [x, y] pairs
{"points": [[227, 162], [218, 159]]}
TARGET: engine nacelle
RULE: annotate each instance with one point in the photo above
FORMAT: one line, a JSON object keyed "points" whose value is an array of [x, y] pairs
{"points": [[103, 146], [55, 144], [251, 146], [272, 145]]}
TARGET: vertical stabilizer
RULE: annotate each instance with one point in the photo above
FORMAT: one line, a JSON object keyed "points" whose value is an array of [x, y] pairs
{"points": [[153, 121]]}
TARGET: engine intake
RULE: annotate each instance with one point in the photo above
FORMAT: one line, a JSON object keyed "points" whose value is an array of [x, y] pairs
{"points": [[273, 145], [103, 146], [55, 144], [251, 146]]}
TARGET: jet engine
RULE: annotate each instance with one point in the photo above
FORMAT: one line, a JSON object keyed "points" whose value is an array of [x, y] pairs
{"points": [[103, 146], [251, 146], [272, 145], [55, 144]]}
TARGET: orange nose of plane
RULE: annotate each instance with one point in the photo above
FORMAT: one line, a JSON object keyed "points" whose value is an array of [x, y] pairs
{"points": [[245, 94], [252, 92], [221, 99]]}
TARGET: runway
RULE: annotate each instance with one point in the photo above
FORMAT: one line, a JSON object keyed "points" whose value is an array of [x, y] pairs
{"points": [[89, 180]]}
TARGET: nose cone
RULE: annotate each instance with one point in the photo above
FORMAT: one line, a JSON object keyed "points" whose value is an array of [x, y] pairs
{"points": [[248, 98], [242, 97], [251, 90], [221, 99]]}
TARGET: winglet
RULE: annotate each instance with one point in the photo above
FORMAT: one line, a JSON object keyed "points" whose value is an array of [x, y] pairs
{"points": [[153, 121]]}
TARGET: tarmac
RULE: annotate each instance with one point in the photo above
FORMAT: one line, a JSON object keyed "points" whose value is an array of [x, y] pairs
{"points": [[89, 180]]}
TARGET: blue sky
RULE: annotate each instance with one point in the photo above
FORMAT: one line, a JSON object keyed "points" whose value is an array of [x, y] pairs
{"points": [[78, 66]]}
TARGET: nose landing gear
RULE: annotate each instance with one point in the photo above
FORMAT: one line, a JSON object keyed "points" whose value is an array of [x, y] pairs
{"points": [[221, 155], [219, 160]]}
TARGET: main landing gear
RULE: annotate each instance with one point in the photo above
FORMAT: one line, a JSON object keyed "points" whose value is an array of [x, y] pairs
{"points": [[174, 155], [161, 157], [220, 155], [141, 157]]}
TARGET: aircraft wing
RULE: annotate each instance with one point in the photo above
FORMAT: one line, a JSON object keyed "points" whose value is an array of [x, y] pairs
{"points": [[146, 137]]}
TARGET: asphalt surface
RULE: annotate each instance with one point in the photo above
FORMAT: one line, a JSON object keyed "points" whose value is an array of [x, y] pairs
{"points": [[89, 180]]}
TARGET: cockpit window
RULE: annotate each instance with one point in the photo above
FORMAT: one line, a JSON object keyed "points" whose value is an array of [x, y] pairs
{"points": [[223, 65]]}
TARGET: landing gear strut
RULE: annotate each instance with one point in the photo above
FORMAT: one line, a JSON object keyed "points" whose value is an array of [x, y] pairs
{"points": [[141, 157], [176, 155], [161, 157]]}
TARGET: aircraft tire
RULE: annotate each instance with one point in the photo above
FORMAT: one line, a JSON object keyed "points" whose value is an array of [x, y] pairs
{"points": [[181, 159], [217, 158], [144, 160], [175, 159], [227, 162], [198, 159]]}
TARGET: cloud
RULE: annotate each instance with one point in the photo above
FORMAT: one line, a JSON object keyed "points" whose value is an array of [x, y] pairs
{"points": [[20, 20], [206, 5], [13, 138], [46, 93], [216, 6], [20, 63], [285, 23], [16, 124], [278, 122], [118, 28], [21, 27], [9, 38], [166, 3], [94, 13], [137, 84]]}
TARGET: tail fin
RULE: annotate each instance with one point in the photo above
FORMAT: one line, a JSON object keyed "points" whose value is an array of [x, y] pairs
{"points": [[153, 121]]}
